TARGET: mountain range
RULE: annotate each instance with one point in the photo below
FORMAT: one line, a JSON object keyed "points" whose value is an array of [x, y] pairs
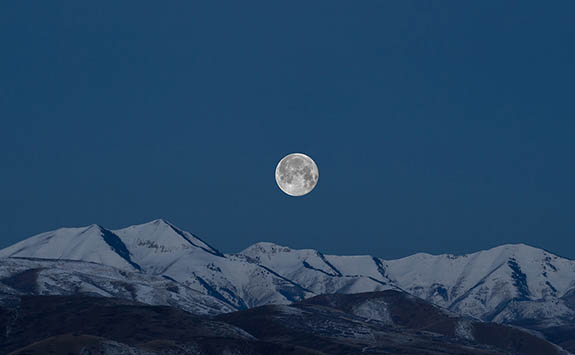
{"points": [[159, 264], [385, 322]]}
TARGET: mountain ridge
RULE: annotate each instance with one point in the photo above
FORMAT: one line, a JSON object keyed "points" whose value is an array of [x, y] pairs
{"points": [[275, 244], [510, 283], [387, 322]]}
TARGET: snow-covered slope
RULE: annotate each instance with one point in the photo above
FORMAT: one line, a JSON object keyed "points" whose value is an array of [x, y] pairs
{"points": [[161, 249], [510, 283], [92, 243], [23, 276], [503, 283], [320, 273]]}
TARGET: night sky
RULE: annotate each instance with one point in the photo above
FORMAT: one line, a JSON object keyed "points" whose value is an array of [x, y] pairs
{"points": [[441, 127]]}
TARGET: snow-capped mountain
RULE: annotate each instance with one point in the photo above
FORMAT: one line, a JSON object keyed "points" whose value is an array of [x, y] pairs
{"points": [[158, 248], [29, 276], [92, 243], [502, 284], [510, 283], [320, 273]]}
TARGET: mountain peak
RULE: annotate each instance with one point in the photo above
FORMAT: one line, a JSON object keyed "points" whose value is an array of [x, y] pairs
{"points": [[162, 235], [265, 248], [516, 246], [516, 250], [93, 227], [156, 223], [513, 246], [160, 221], [504, 249], [92, 243]]}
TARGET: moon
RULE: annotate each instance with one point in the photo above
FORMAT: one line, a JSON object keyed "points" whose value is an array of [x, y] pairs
{"points": [[297, 174]]}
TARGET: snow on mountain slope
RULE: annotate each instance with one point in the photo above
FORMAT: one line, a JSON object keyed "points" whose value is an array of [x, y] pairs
{"points": [[483, 283], [320, 273], [92, 243], [27, 276], [510, 283], [161, 249], [159, 237]]}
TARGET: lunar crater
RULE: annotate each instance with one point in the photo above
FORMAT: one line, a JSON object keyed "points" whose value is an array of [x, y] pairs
{"points": [[297, 174]]}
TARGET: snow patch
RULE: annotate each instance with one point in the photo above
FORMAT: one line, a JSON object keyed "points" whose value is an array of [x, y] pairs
{"points": [[464, 329], [374, 309]]}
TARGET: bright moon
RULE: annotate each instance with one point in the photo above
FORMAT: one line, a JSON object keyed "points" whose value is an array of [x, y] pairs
{"points": [[296, 174]]}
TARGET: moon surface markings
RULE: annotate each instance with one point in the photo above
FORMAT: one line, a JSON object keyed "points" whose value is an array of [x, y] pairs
{"points": [[297, 174]]}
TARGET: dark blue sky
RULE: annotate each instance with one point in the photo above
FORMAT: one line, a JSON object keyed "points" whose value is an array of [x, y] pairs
{"points": [[437, 126]]}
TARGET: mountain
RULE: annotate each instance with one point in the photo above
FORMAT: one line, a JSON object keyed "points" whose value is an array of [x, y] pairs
{"points": [[385, 322], [505, 284], [321, 273], [511, 284], [92, 243], [29, 276], [374, 323], [161, 249], [106, 326]]}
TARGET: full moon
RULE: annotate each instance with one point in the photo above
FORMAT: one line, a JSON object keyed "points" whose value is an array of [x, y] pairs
{"points": [[296, 174]]}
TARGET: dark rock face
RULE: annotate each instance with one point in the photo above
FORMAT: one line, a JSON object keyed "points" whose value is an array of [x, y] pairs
{"points": [[519, 279], [25, 281], [119, 247], [373, 323]]}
